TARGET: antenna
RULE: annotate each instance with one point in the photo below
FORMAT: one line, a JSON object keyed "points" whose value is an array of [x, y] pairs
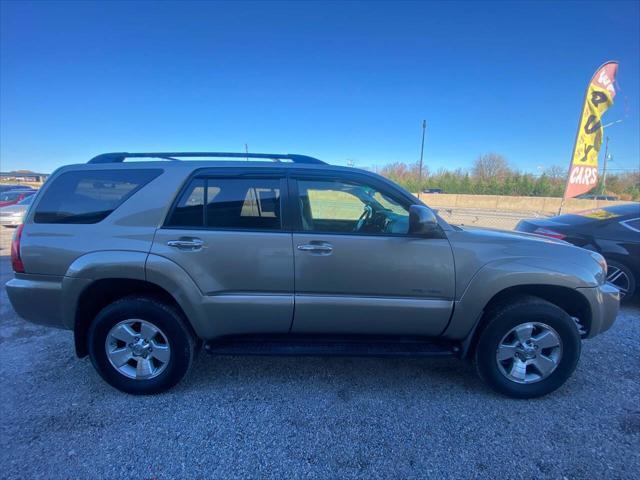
{"points": [[424, 128]]}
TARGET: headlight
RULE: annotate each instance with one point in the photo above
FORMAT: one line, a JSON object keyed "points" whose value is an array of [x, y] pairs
{"points": [[603, 265]]}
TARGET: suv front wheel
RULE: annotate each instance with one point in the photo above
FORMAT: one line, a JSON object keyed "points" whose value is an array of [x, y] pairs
{"points": [[529, 348], [140, 345]]}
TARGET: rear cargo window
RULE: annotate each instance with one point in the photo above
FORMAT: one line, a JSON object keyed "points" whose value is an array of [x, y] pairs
{"points": [[89, 196]]}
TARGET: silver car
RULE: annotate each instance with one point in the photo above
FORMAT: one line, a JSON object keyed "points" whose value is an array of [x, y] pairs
{"points": [[11, 215], [148, 261]]}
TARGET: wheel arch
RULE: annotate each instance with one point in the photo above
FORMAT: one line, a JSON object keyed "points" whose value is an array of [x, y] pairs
{"points": [[568, 299], [103, 292]]}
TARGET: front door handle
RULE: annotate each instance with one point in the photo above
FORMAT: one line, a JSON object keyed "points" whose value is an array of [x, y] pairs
{"points": [[322, 248], [186, 243]]}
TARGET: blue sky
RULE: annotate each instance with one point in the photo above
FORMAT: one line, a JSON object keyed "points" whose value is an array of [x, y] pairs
{"points": [[334, 80]]}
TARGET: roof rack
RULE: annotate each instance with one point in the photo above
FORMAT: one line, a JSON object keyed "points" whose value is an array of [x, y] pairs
{"points": [[276, 157]]}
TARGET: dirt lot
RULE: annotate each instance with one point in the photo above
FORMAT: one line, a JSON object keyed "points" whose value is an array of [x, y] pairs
{"points": [[248, 417]]}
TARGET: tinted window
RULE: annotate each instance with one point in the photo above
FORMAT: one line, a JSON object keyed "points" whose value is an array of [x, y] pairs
{"points": [[349, 207], [27, 201], [89, 196], [633, 224], [189, 211], [239, 203]]}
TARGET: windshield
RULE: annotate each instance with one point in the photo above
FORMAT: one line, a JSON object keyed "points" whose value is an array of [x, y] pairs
{"points": [[8, 196], [26, 201]]}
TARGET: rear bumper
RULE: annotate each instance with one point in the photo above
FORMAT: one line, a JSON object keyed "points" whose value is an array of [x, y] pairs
{"points": [[45, 299], [605, 304], [37, 300]]}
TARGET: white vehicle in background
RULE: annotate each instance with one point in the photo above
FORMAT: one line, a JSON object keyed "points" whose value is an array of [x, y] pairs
{"points": [[11, 215]]}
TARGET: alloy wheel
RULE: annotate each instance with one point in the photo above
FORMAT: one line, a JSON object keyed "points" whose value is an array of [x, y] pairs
{"points": [[619, 279], [137, 349], [529, 352]]}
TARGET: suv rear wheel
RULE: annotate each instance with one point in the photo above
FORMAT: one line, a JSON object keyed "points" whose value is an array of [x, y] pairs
{"points": [[529, 348], [140, 345]]}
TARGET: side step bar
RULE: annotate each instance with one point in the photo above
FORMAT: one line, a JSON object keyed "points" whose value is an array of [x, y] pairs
{"points": [[323, 346]]}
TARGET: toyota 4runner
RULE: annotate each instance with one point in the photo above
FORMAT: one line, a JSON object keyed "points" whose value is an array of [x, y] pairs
{"points": [[149, 260]]}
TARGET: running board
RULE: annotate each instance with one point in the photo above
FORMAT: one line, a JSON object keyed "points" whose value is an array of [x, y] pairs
{"points": [[322, 346]]}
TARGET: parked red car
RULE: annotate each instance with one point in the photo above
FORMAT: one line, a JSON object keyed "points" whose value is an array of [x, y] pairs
{"points": [[14, 196]]}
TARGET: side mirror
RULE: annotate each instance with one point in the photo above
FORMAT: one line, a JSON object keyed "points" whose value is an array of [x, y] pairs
{"points": [[422, 220]]}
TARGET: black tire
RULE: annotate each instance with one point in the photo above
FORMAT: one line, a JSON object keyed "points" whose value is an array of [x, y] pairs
{"points": [[506, 317], [631, 290], [167, 319]]}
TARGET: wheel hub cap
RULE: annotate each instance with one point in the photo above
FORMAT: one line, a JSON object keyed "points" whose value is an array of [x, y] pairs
{"points": [[140, 348], [529, 352], [619, 279], [137, 349]]}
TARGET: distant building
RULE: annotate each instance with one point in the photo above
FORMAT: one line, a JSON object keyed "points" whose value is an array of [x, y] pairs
{"points": [[23, 176]]}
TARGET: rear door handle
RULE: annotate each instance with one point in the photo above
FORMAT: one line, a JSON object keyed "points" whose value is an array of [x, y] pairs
{"points": [[186, 243], [322, 248]]}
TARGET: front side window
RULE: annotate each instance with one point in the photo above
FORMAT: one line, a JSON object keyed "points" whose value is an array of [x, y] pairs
{"points": [[334, 206], [229, 203]]}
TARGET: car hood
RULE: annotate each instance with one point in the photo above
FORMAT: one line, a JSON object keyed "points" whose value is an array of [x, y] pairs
{"points": [[475, 247], [493, 235]]}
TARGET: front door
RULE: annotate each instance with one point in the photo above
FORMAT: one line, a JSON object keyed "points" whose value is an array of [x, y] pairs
{"points": [[357, 270], [227, 234]]}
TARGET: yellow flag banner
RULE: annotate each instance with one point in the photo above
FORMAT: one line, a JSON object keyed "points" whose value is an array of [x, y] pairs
{"points": [[583, 172]]}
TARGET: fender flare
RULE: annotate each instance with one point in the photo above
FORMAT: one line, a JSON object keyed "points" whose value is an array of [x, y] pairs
{"points": [[497, 276], [93, 266]]}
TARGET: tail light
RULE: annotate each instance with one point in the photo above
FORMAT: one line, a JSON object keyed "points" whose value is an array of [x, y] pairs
{"points": [[16, 260], [549, 233]]}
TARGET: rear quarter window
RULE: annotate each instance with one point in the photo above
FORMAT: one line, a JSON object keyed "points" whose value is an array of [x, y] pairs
{"points": [[89, 196]]}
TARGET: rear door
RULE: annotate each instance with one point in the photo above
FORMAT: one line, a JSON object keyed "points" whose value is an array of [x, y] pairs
{"points": [[227, 232], [357, 270]]}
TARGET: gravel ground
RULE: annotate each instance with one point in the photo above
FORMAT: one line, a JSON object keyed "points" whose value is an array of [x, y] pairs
{"points": [[247, 417]]}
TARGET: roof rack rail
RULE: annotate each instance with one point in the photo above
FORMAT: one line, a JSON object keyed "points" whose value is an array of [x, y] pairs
{"points": [[119, 157]]}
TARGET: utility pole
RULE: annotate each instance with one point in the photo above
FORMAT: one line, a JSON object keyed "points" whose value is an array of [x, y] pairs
{"points": [[246, 150], [424, 128], [604, 166]]}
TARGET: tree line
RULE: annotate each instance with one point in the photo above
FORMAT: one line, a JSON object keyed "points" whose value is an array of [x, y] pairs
{"points": [[491, 174]]}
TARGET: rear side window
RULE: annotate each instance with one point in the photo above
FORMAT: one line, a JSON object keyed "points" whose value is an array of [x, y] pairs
{"points": [[89, 196], [229, 203]]}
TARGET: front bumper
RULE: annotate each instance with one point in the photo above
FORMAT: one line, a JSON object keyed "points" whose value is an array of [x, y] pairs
{"points": [[604, 301]]}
